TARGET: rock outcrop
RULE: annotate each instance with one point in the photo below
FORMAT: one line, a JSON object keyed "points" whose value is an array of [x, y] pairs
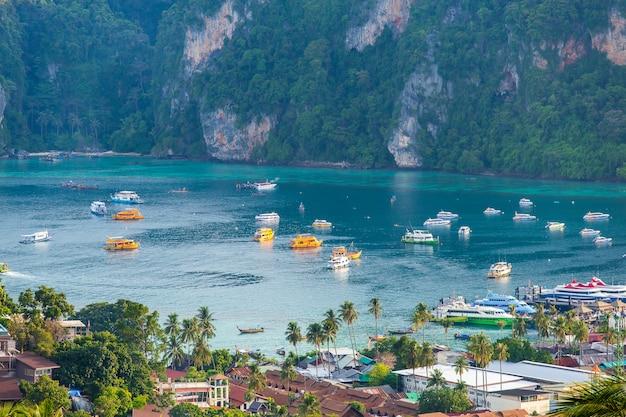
{"points": [[3, 103], [391, 13], [613, 41]]}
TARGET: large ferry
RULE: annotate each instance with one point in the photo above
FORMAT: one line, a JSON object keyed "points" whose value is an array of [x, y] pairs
{"points": [[126, 197], [575, 293], [304, 241], [457, 310], [423, 237], [503, 302]]}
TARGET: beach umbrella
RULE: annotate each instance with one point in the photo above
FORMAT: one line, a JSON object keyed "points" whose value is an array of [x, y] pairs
{"points": [[600, 305], [618, 304], [582, 309]]}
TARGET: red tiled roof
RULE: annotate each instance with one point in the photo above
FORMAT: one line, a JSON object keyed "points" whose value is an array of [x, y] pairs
{"points": [[236, 395], [567, 361], [33, 360], [151, 410], [174, 374], [10, 390]]}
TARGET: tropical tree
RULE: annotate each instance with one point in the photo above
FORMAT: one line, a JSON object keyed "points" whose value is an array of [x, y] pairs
{"points": [[501, 325], [482, 350], [11, 409], [597, 397], [315, 336], [421, 316], [411, 355], [542, 322], [256, 381], [331, 324], [172, 325], [580, 331], [190, 333], [519, 327], [560, 330], [205, 323], [288, 372], [446, 323], [501, 353], [426, 357], [376, 310], [174, 352], [201, 354], [436, 379], [45, 389], [294, 335], [349, 315], [461, 366], [310, 406]]}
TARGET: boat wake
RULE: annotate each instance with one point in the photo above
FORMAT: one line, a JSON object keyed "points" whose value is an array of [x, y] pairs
{"points": [[14, 274]]}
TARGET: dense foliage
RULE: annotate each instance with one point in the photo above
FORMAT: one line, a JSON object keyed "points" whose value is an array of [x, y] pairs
{"points": [[516, 99]]}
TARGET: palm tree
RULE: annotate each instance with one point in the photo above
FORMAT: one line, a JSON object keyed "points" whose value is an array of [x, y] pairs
{"points": [[447, 323], [190, 332], [436, 379], [542, 322], [512, 312], [426, 357], [349, 315], [46, 408], [598, 397], [423, 316], [201, 354], [501, 324], [310, 405], [481, 348], [331, 325], [519, 324], [581, 334], [460, 366], [315, 336], [288, 373], [501, 354], [256, 381], [609, 334], [294, 335], [376, 309], [172, 325], [174, 352], [411, 354], [206, 326], [559, 330], [10, 409]]}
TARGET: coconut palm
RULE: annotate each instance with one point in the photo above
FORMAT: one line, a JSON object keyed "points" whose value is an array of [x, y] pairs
{"points": [[501, 325], [559, 330], [426, 357], [542, 322], [609, 334], [519, 327], [315, 336], [11, 409], [294, 335], [421, 315], [256, 381], [190, 332], [446, 324], [206, 326], [310, 405], [481, 348], [172, 325], [201, 354], [436, 379], [501, 353], [411, 354], [349, 315], [331, 324], [512, 312], [174, 352], [598, 397], [580, 331], [288, 373], [376, 309], [460, 366]]}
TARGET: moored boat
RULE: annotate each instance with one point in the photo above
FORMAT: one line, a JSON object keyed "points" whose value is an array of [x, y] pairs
{"points": [[128, 214], [267, 217], [263, 234], [126, 197], [120, 243], [437, 222], [423, 237], [322, 223], [524, 202], [447, 215], [36, 237], [499, 269], [457, 310], [351, 252], [264, 185], [98, 208], [503, 302], [338, 262], [596, 215], [603, 241], [4, 267], [304, 241], [251, 330], [524, 217], [586, 232], [401, 331], [492, 211], [464, 231], [555, 226], [301, 207]]}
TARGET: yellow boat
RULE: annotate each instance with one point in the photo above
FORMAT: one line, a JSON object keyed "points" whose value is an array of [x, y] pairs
{"points": [[304, 241], [350, 253], [322, 223], [263, 234], [128, 214], [4, 267], [120, 243]]}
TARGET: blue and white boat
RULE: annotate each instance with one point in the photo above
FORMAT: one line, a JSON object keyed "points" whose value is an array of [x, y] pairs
{"points": [[437, 222], [503, 302], [126, 197], [447, 215], [524, 202], [524, 217], [98, 208]]}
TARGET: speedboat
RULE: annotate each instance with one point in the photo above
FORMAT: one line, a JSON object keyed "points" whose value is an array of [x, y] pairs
{"points": [[590, 216], [350, 253], [437, 222], [338, 262], [447, 215], [457, 310], [464, 231], [263, 234], [126, 197], [267, 217], [305, 241], [603, 241], [589, 232], [524, 217], [4, 267], [322, 223], [98, 208], [499, 269], [120, 243], [264, 185], [36, 237], [301, 207], [423, 237], [503, 302], [492, 211], [128, 214], [524, 202], [555, 226]]}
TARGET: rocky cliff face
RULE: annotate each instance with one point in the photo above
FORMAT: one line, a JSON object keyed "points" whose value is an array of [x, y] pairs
{"points": [[3, 103], [613, 41], [392, 13]]}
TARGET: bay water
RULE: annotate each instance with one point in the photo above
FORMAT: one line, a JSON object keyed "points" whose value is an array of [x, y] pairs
{"points": [[197, 249]]}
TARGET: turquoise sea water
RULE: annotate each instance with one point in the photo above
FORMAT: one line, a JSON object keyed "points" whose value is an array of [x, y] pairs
{"points": [[196, 247]]}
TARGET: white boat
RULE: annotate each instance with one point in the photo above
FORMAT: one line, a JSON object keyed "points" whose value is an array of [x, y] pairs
{"points": [[338, 262], [490, 211], [267, 217], [524, 202], [576, 292], [499, 269], [590, 216], [423, 237], [42, 236], [264, 185], [555, 226], [586, 232], [457, 310], [524, 217], [447, 215], [322, 223], [437, 222], [464, 231], [301, 207], [98, 208], [126, 197], [503, 302], [603, 241]]}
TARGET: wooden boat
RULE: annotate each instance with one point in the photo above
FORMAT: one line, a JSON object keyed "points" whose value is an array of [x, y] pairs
{"points": [[351, 252], [263, 234], [251, 330], [378, 338], [322, 223], [128, 214], [304, 241], [400, 331], [42, 236], [180, 190], [120, 243], [4, 267], [499, 270]]}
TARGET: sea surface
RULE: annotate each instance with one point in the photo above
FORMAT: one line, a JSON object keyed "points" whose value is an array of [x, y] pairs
{"points": [[197, 249]]}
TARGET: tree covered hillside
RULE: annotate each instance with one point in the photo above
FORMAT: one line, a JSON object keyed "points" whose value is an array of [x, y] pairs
{"points": [[515, 87]]}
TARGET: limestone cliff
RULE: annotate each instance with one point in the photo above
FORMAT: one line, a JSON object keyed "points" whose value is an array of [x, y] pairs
{"points": [[3, 103], [391, 13], [613, 40]]}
